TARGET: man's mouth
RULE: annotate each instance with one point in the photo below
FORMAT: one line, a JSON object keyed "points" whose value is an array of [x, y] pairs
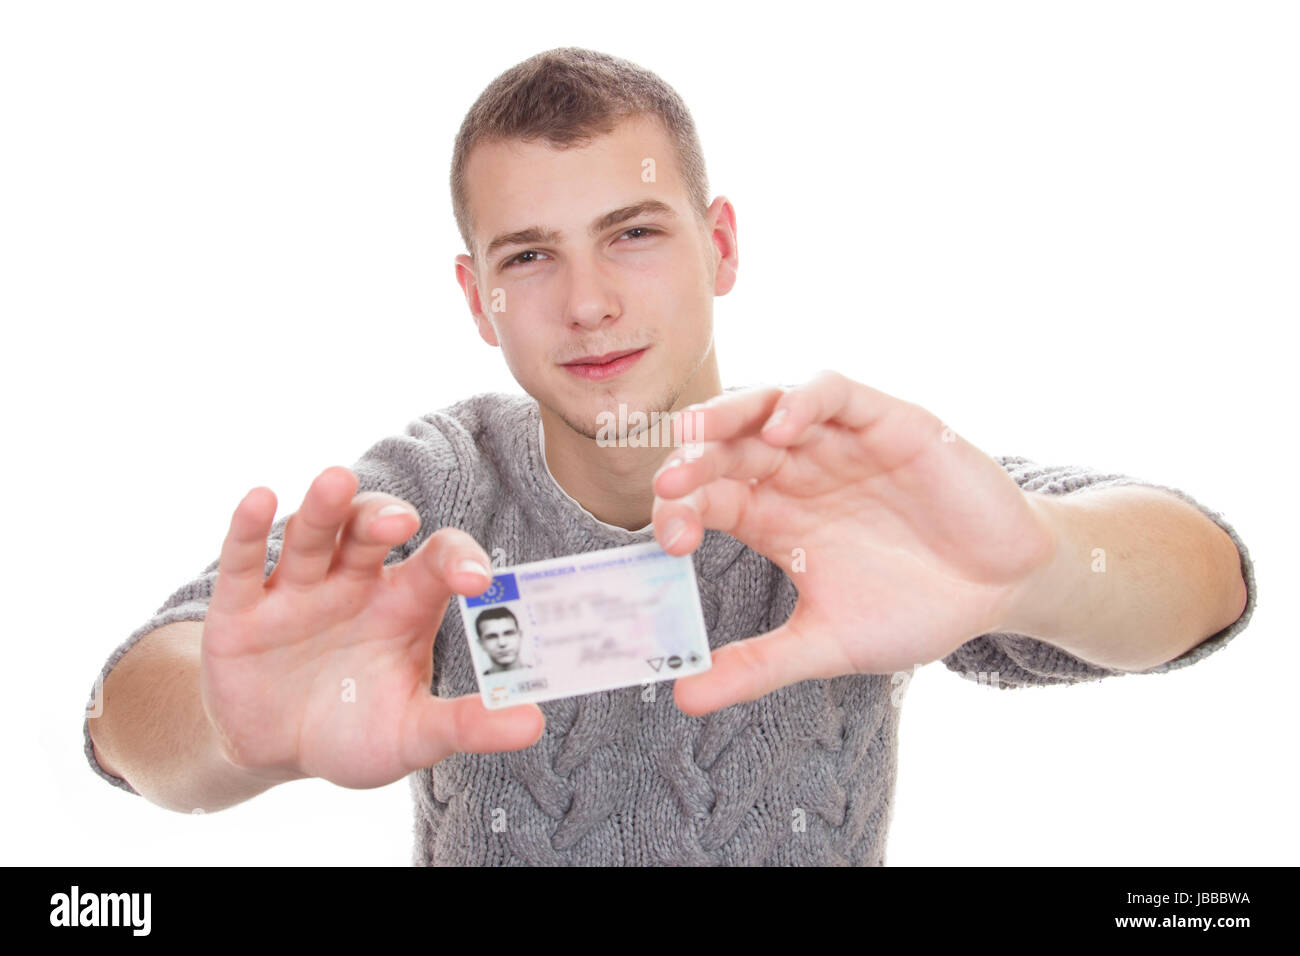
{"points": [[599, 367], [601, 359]]}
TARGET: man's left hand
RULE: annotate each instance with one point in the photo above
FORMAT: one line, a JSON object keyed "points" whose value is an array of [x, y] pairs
{"points": [[903, 540]]}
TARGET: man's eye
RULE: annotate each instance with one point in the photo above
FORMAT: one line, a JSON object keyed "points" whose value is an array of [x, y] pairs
{"points": [[645, 229], [519, 259]]}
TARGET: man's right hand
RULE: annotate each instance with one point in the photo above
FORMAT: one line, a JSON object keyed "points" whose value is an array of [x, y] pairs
{"points": [[323, 668]]}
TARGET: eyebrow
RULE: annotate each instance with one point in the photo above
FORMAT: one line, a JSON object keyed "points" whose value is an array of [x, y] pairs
{"points": [[537, 235]]}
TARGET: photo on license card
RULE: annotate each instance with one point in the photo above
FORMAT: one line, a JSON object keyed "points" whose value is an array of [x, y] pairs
{"points": [[585, 623]]}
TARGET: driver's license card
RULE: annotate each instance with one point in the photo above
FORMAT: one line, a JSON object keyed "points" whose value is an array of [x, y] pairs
{"points": [[585, 623]]}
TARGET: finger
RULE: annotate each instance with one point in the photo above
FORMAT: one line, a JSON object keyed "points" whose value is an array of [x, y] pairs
{"points": [[740, 458], [241, 568], [749, 669], [465, 725], [451, 561], [720, 505], [828, 397], [312, 531], [375, 525], [729, 415]]}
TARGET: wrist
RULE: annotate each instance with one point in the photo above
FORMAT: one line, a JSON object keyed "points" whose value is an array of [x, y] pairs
{"points": [[224, 759], [1035, 600]]}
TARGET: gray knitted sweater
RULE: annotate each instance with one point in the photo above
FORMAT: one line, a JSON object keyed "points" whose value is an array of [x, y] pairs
{"points": [[803, 776]]}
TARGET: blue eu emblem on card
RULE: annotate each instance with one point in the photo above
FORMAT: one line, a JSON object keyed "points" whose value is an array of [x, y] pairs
{"points": [[503, 589]]}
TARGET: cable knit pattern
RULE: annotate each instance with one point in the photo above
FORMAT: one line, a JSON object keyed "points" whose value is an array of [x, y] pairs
{"points": [[804, 776]]}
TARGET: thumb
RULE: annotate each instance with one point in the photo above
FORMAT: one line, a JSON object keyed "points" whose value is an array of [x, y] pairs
{"points": [[749, 669], [463, 725]]}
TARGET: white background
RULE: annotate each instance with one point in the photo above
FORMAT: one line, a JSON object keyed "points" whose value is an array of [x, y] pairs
{"points": [[1070, 230]]}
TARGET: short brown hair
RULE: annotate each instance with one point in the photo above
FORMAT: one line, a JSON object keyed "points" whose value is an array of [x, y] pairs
{"points": [[567, 96]]}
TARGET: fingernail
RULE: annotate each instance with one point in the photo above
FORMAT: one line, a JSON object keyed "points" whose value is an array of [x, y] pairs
{"points": [[676, 528], [670, 463], [473, 567], [777, 418], [387, 510]]}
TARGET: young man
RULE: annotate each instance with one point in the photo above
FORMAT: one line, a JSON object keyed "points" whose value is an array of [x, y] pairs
{"points": [[849, 539]]}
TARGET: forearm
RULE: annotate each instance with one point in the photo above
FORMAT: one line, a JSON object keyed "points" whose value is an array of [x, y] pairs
{"points": [[1137, 578], [154, 733]]}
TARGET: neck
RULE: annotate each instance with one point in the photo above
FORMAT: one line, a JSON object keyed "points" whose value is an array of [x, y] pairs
{"points": [[613, 483]]}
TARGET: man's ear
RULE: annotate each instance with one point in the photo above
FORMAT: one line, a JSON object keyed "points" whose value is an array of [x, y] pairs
{"points": [[467, 278], [721, 229]]}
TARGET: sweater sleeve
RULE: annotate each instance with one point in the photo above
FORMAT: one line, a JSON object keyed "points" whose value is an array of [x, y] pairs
{"points": [[1013, 660], [420, 466]]}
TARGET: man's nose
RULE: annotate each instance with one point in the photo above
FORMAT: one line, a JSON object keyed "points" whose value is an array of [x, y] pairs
{"points": [[591, 295]]}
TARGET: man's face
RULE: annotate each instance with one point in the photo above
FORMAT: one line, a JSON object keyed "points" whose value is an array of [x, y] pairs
{"points": [[581, 274], [500, 637]]}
